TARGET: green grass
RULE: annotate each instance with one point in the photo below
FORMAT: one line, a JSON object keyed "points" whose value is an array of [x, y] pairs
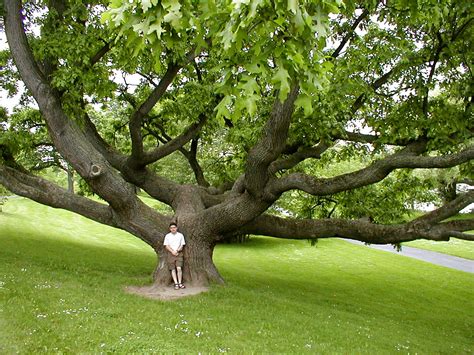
{"points": [[456, 247], [62, 279]]}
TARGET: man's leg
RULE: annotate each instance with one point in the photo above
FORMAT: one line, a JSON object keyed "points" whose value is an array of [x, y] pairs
{"points": [[173, 275], [180, 274]]}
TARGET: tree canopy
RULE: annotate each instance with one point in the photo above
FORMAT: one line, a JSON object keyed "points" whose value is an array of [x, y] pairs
{"points": [[291, 119]]}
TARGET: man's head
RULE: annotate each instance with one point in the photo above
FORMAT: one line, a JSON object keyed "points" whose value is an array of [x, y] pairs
{"points": [[173, 227]]}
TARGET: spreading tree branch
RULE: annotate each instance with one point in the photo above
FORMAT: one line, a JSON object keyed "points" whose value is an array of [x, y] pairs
{"points": [[100, 53], [363, 230], [115, 158], [191, 156], [136, 120], [434, 62], [47, 193], [405, 158], [173, 144], [65, 133], [297, 157], [350, 33], [170, 145], [362, 98], [446, 211]]}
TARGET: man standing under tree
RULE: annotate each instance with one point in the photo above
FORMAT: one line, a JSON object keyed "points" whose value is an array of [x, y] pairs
{"points": [[174, 243]]}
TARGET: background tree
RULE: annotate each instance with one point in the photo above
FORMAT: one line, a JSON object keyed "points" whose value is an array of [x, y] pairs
{"points": [[254, 105]]}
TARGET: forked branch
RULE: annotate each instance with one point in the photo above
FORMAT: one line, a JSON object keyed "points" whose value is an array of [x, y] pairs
{"points": [[136, 120]]}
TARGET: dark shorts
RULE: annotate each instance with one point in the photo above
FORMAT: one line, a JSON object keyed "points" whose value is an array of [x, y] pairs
{"points": [[175, 261]]}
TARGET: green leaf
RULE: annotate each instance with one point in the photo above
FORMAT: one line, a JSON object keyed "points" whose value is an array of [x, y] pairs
{"points": [[281, 79], [251, 104], [223, 108], [156, 27], [254, 68], [146, 4], [250, 85], [174, 14], [305, 102], [105, 17], [299, 22], [141, 27], [292, 6]]}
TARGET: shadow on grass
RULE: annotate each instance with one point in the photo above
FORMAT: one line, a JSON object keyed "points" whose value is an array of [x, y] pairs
{"points": [[262, 242]]}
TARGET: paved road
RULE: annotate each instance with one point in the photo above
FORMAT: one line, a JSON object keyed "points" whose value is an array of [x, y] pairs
{"points": [[433, 257]]}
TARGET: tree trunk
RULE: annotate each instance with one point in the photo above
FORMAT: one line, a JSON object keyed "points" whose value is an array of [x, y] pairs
{"points": [[198, 270]]}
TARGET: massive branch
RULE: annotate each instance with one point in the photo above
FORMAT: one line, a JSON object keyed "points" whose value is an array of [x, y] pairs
{"points": [[423, 227], [47, 193], [406, 158], [270, 145], [136, 120], [64, 132], [70, 141]]}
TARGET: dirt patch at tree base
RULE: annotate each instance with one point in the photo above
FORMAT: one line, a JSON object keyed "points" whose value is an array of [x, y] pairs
{"points": [[165, 293]]}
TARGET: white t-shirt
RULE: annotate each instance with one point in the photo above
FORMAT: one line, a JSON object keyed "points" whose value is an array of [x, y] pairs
{"points": [[175, 241]]}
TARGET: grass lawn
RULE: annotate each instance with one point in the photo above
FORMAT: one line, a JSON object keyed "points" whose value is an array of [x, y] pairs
{"points": [[457, 247], [62, 280]]}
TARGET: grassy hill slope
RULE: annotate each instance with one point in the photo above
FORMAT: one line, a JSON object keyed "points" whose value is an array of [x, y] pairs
{"points": [[62, 280]]}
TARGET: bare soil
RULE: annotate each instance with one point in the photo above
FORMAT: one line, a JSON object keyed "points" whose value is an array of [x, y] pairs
{"points": [[165, 293]]}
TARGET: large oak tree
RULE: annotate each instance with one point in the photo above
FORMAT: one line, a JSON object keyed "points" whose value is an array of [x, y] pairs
{"points": [[260, 98]]}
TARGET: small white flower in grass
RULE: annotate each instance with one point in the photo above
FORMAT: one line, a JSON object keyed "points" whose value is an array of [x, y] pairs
{"points": [[41, 316], [198, 334], [102, 345], [180, 323], [43, 286], [23, 269]]}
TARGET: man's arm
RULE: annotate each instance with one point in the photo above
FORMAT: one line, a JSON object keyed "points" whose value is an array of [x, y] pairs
{"points": [[171, 250], [181, 244]]}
